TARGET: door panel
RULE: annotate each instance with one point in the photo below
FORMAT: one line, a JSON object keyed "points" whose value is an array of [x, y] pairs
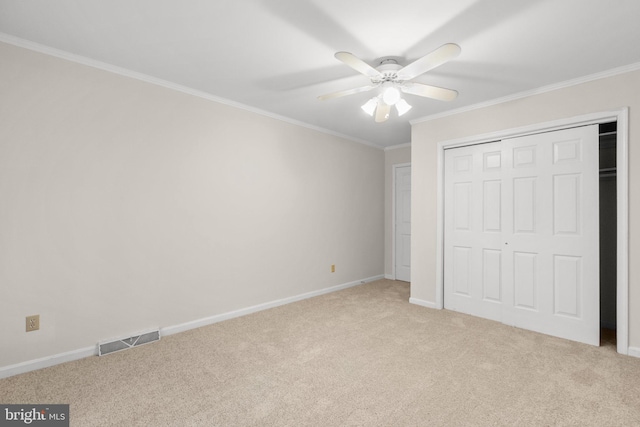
{"points": [[492, 203], [462, 271], [566, 204], [462, 206], [521, 232], [492, 275], [524, 205], [525, 281], [567, 285]]}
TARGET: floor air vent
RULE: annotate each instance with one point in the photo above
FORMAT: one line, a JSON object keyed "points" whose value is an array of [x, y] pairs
{"points": [[125, 343]]}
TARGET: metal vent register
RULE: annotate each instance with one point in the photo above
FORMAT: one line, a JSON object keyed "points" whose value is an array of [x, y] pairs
{"points": [[125, 343]]}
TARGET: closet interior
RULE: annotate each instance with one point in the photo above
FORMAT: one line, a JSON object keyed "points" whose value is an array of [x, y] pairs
{"points": [[608, 227]]}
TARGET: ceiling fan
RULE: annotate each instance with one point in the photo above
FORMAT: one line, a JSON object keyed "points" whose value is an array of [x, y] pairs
{"points": [[393, 78]]}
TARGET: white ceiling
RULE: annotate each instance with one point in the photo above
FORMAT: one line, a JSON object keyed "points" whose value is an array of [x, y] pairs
{"points": [[277, 55]]}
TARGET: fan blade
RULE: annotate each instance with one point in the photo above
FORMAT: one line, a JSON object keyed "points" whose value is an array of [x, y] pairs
{"points": [[382, 112], [357, 64], [444, 53], [346, 92], [429, 91]]}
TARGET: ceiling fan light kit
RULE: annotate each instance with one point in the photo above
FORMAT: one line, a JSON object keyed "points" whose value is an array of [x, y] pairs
{"points": [[402, 106], [393, 79], [391, 95], [370, 106]]}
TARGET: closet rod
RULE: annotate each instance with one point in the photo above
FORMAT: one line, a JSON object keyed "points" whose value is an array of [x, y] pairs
{"points": [[608, 133]]}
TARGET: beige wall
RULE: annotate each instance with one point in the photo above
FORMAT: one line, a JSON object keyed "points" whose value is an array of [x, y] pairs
{"points": [[128, 206], [392, 156], [596, 96]]}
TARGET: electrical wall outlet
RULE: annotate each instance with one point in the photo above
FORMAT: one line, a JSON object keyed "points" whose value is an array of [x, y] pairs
{"points": [[33, 323], [333, 268]]}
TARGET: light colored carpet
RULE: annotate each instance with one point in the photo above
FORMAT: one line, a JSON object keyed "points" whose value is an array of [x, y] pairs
{"points": [[359, 357]]}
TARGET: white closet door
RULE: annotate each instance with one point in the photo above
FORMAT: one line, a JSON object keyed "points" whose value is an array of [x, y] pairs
{"points": [[473, 259], [529, 254], [552, 257]]}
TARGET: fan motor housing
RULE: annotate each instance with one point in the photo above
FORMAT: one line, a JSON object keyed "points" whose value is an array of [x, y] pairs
{"points": [[389, 68]]}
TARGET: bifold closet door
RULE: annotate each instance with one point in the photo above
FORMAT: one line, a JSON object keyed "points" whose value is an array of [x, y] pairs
{"points": [[474, 223], [521, 232]]}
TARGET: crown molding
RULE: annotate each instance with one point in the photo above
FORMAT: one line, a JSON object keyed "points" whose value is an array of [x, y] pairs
{"points": [[549, 88], [394, 147], [47, 50]]}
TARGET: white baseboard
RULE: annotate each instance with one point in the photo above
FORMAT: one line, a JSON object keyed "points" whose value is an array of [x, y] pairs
{"points": [[56, 359], [389, 277], [170, 330], [422, 303], [634, 351], [45, 362]]}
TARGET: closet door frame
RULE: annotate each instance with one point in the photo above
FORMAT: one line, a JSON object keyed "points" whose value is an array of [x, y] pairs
{"points": [[620, 116]]}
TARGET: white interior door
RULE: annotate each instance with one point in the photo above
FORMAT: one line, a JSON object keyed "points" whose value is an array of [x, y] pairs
{"points": [[521, 232], [403, 223]]}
